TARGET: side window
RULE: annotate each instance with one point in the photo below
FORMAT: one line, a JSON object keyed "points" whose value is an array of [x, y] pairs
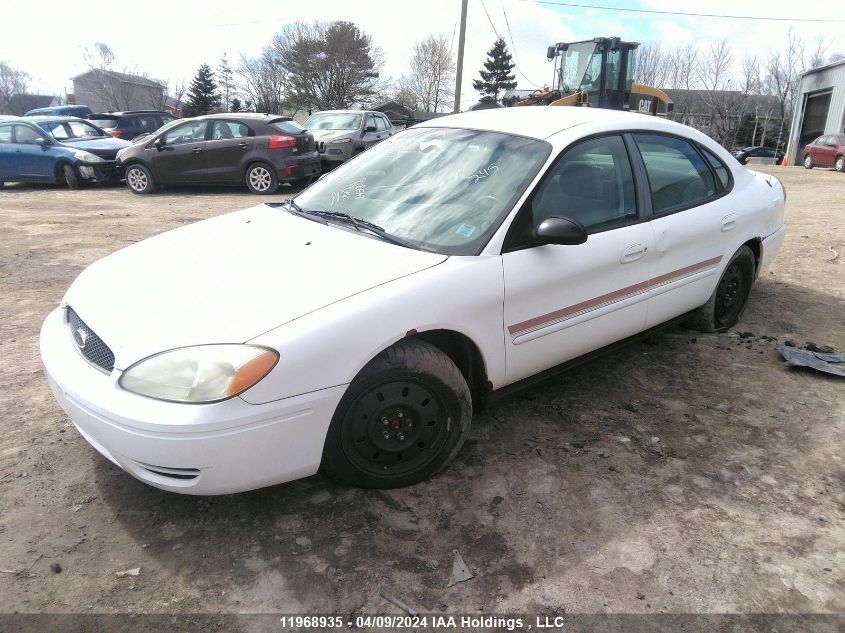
{"points": [[381, 124], [718, 166], [222, 130], [146, 123], [5, 134], [26, 135], [591, 183], [187, 133], [678, 175], [371, 121]]}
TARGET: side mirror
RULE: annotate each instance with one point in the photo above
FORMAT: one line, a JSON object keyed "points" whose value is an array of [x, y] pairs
{"points": [[556, 230], [371, 128], [159, 143], [43, 143]]}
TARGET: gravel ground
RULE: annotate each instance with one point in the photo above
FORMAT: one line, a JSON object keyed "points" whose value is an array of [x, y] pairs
{"points": [[687, 473]]}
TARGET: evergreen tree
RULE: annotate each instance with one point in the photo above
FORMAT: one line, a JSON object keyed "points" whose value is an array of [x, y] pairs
{"points": [[202, 94], [497, 77], [225, 75], [236, 105]]}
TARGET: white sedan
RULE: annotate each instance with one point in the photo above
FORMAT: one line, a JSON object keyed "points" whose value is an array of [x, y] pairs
{"points": [[357, 327]]}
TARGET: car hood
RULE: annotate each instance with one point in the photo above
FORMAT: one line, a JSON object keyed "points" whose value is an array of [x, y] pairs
{"points": [[229, 279], [330, 135], [102, 147]]}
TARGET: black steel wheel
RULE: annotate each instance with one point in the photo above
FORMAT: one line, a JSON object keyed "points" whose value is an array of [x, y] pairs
{"points": [[402, 419], [728, 300], [70, 176]]}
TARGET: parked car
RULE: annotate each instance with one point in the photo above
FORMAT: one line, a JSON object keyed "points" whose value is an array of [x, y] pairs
{"points": [[57, 149], [359, 325], [826, 151], [256, 150], [342, 134], [128, 125], [744, 154], [80, 111]]}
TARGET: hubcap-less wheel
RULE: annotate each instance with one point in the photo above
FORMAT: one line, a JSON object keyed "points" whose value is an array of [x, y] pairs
{"points": [[730, 296], [840, 164], [260, 178], [396, 428], [808, 162], [137, 179]]}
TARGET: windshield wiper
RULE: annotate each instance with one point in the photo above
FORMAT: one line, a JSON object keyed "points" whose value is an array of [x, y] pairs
{"points": [[362, 224]]}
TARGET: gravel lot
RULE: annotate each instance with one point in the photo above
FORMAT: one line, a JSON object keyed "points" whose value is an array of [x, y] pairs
{"points": [[688, 473]]}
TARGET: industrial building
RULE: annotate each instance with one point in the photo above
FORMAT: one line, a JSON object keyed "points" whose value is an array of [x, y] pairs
{"points": [[819, 108]]}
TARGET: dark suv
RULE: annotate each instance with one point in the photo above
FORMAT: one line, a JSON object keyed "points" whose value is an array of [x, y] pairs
{"points": [[128, 125], [257, 150]]}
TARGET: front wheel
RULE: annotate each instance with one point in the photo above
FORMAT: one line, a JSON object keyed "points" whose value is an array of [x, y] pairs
{"points": [[139, 179], [261, 179], [839, 165], [403, 418], [71, 176], [726, 304], [808, 162]]}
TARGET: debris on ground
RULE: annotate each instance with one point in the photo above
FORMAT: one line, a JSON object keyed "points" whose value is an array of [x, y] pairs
{"points": [[55, 568], [129, 572], [828, 362], [398, 603], [460, 572]]}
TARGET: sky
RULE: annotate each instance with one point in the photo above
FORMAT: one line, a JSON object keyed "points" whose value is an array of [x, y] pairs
{"points": [[168, 40]]}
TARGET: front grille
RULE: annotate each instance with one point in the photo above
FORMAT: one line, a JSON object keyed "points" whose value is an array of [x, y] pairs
{"points": [[87, 343]]}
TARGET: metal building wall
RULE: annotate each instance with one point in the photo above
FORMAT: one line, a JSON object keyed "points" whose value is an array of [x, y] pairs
{"points": [[815, 82]]}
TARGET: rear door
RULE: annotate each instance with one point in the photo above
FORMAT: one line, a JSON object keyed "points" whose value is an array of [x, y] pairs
{"points": [[181, 157], [226, 150]]}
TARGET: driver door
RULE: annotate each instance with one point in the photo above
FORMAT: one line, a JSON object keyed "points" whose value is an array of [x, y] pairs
{"points": [[180, 158], [562, 301]]}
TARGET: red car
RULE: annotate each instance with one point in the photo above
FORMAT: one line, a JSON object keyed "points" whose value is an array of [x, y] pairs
{"points": [[826, 151]]}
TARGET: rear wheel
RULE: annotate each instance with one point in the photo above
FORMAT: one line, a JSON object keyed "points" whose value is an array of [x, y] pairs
{"points": [[139, 179], [261, 179], [71, 176], [403, 418], [839, 165], [728, 301], [808, 162]]}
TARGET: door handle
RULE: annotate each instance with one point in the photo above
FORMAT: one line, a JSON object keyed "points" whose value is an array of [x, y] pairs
{"points": [[728, 222], [242, 144], [633, 253], [196, 150]]}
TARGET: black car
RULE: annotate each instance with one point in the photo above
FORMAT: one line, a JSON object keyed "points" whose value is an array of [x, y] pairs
{"points": [[743, 154], [128, 125], [257, 150]]}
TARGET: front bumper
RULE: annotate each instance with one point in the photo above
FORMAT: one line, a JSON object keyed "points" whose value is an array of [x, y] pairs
{"points": [[220, 448], [104, 172], [332, 154]]}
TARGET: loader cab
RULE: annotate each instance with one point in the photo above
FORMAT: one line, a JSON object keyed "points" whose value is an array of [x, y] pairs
{"points": [[601, 69]]}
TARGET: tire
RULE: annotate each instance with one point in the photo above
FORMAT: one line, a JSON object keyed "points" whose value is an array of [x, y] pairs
{"points": [[839, 165], [139, 179], [728, 301], [403, 418], [261, 179], [808, 162], [71, 177]]}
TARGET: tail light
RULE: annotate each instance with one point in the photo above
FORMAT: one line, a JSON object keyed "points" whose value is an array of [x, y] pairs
{"points": [[116, 133], [281, 142]]}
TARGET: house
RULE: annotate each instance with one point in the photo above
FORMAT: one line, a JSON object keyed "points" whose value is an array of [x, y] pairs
{"points": [[111, 91], [19, 104], [401, 115], [486, 104]]}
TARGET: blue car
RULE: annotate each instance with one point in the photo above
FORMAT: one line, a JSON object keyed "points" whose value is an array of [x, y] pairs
{"points": [[67, 110], [57, 149]]}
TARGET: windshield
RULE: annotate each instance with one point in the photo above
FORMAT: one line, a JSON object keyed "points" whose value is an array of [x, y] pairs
{"points": [[580, 67], [333, 121], [440, 189], [73, 130]]}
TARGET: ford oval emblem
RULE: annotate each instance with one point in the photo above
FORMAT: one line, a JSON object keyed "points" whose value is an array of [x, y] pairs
{"points": [[80, 337]]}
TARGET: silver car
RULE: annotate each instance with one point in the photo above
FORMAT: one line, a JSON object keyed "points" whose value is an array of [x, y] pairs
{"points": [[341, 134]]}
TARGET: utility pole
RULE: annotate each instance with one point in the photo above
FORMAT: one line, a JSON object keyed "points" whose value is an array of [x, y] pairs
{"points": [[460, 70]]}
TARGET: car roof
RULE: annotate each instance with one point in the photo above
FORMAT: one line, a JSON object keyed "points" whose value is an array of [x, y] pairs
{"points": [[542, 122], [125, 112], [349, 112], [54, 118], [264, 116]]}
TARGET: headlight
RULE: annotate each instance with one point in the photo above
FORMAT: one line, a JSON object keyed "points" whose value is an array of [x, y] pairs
{"points": [[87, 157], [340, 140], [204, 373]]}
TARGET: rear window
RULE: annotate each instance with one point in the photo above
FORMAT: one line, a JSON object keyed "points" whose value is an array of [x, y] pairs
{"points": [[288, 127], [719, 167], [104, 121]]}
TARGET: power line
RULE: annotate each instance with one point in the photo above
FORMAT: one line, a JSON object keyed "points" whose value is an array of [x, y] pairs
{"points": [[513, 44], [682, 13], [492, 26], [496, 32]]}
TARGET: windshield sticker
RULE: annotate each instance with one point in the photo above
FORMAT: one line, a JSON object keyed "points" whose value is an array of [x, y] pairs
{"points": [[465, 230], [355, 190], [484, 172]]}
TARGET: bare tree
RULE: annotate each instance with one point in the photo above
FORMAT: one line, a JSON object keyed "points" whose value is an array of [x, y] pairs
{"points": [[432, 74], [118, 90], [225, 73], [12, 82], [782, 72], [817, 58], [262, 82], [329, 65], [725, 106], [653, 66]]}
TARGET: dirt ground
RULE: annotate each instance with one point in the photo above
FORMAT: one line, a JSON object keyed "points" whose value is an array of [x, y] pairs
{"points": [[688, 473]]}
